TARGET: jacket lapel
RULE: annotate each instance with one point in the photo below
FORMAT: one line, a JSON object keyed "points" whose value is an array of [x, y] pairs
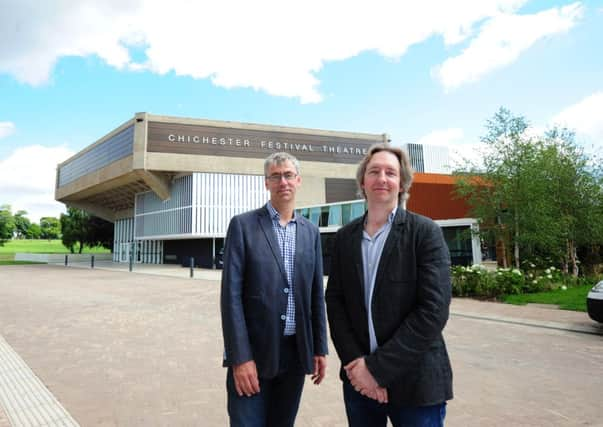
{"points": [[303, 248], [266, 226], [356, 247], [394, 236]]}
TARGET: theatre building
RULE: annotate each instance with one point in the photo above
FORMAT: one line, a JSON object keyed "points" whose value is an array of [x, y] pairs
{"points": [[170, 185]]}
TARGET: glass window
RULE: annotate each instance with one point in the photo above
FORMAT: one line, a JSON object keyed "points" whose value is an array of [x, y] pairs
{"points": [[324, 216], [314, 215], [458, 240], [346, 210], [305, 212], [335, 215], [357, 209]]}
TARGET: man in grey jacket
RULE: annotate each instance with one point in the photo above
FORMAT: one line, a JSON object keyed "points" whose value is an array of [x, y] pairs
{"points": [[272, 304]]}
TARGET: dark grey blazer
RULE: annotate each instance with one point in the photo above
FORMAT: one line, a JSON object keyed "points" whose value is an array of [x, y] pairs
{"points": [[410, 306], [253, 298]]}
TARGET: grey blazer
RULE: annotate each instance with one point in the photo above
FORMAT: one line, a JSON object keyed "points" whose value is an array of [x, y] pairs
{"points": [[410, 307], [253, 297]]}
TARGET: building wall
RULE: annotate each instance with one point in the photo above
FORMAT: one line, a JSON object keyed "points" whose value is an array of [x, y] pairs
{"points": [[218, 197], [428, 158], [433, 195]]}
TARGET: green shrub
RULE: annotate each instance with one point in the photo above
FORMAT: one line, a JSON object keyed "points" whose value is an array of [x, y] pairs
{"points": [[476, 281]]}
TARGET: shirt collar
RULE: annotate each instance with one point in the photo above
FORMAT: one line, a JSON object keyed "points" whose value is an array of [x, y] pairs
{"points": [[390, 217], [275, 215]]}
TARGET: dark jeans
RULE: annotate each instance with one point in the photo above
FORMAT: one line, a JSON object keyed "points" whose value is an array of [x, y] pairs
{"points": [[278, 400], [365, 412]]}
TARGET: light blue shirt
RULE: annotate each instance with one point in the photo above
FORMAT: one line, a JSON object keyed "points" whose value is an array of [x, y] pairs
{"points": [[372, 248], [285, 235]]}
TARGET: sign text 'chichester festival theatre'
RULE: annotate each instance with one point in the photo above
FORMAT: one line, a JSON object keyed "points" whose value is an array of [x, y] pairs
{"points": [[256, 143]]}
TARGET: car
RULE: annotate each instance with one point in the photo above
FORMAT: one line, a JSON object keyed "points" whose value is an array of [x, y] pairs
{"points": [[594, 302]]}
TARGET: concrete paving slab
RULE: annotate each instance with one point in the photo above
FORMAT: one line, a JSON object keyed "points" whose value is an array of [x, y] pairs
{"points": [[145, 350]]}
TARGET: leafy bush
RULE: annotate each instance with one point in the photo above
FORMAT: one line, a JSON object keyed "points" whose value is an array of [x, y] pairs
{"points": [[476, 281]]}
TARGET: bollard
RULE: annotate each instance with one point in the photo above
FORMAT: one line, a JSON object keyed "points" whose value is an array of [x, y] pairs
{"points": [[92, 261], [192, 264], [131, 261], [66, 260]]}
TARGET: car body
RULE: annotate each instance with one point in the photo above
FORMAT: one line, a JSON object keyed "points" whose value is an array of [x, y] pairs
{"points": [[594, 302]]}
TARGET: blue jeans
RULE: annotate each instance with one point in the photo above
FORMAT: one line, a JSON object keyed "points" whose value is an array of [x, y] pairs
{"points": [[365, 412], [278, 400]]}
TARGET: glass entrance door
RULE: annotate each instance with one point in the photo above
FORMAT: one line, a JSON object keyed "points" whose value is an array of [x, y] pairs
{"points": [[124, 252]]}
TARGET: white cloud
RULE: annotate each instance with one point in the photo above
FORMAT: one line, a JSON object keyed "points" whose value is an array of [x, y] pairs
{"points": [[459, 149], [443, 137], [502, 40], [27, 180], [273, 46], [585, 118], [6, 129]]}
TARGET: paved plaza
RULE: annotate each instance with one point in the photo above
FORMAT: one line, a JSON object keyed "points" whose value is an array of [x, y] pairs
{"points": [[113, 348]]}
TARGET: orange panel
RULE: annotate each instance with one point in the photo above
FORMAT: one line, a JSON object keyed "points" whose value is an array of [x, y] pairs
{"points": [[433, 195]]}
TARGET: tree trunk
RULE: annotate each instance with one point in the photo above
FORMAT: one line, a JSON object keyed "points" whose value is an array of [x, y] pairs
{"points": [[573, 258], [516, 243], [564, 262], [501, 253]]}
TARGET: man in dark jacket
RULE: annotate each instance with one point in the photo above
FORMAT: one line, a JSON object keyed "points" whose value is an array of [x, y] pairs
{"points": [[388, 298], [272, 304]]}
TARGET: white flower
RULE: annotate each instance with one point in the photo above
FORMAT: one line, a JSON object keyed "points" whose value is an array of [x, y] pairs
{"points": [[516, 271], [563, 288], [531, 275], [547, 271], [550, 276], [532, 265], [535, 281]]}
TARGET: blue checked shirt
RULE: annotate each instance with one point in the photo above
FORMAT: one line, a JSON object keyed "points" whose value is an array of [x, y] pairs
{"points": [[286, 242]]}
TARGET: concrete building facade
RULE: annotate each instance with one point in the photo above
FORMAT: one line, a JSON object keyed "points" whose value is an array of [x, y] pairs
{"points": [[170, 185]]}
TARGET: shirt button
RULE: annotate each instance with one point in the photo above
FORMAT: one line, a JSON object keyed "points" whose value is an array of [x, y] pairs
{"points": [[283, 317], [286, 290]]}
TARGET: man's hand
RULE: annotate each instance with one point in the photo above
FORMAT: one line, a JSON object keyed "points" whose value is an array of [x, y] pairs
{"points": [[363, 381], [246, 378], [320, 369]]}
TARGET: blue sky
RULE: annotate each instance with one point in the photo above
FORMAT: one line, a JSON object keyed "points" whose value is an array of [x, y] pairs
{"points": [[430, 72]]}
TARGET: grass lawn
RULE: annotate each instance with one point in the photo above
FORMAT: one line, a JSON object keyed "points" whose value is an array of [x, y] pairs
{"points": [[7, 252], [11, 262], [570, 299]]}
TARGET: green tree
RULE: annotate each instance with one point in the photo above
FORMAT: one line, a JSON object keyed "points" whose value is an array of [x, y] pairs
{"points": [[7, 224], [503, 185], [22, 224], [575, 197], [74, 227], [50, 228], [34, 231], [81, 229], [539, 195]]}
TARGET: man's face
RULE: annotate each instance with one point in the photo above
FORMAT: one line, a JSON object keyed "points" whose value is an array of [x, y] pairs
{"points": [[382, 179], [282, 182]]}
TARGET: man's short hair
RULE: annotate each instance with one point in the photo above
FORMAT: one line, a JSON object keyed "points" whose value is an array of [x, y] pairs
{"points": [[406, 170], [279, 159]]}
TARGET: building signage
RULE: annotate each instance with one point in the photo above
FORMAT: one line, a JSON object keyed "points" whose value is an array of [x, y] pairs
{"points": [[241, 142]]}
